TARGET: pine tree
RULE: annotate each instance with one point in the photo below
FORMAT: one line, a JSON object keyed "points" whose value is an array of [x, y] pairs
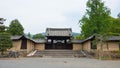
{"points": [[15, 28], [5, 38]]}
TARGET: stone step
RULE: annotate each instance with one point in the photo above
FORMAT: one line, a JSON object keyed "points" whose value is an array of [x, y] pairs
{"points": [[58, 53]]}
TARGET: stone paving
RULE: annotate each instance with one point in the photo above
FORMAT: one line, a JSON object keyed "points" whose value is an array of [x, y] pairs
{"points": [[58, 63]]}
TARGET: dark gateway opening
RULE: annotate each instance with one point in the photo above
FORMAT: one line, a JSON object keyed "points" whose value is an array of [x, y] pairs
{"points": [[58, 38], [24, 43]]}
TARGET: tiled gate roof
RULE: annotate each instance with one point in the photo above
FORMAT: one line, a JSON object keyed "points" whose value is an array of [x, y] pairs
{"points": [[58, 32]]}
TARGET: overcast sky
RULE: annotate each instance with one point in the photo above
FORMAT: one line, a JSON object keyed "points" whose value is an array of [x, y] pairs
{"points": [[37, 15]]}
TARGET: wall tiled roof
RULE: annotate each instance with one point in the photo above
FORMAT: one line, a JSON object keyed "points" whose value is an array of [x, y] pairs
{"points": [[77, 41], [16, 37], [33, 40], [108, 38], [113, 38], [39, 40]]}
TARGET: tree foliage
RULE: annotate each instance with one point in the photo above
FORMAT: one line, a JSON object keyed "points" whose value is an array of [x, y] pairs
{"points": [[118, 15], [5, 40], [38, 36], [78, 37], [29, 35], [15, 28], [114, 27], [96, 19], [2, 27]]}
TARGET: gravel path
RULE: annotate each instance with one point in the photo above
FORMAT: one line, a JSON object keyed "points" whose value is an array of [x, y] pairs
{"points": [[58, 63]]}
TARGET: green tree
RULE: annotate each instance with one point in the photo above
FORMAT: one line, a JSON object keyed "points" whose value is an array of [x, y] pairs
{"points": [[96, 18], [2, 27], [2, 20], [5, 40], [78, 37], [118, 15], [38, 36], [15, 28], [29, 35], [114, 27]]}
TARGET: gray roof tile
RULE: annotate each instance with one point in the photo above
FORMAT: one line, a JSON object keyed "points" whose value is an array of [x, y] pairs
{"points": [[33, 40], [114, 38], [76, 41], [58, 32], [108, 38], [39, 40], [16, 37]]}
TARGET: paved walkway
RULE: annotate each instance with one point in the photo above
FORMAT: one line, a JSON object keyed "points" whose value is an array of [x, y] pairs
{"points": [[58, 63]]}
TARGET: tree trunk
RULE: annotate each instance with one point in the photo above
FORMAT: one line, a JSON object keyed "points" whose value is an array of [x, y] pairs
{"points": [[2, 52]]}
